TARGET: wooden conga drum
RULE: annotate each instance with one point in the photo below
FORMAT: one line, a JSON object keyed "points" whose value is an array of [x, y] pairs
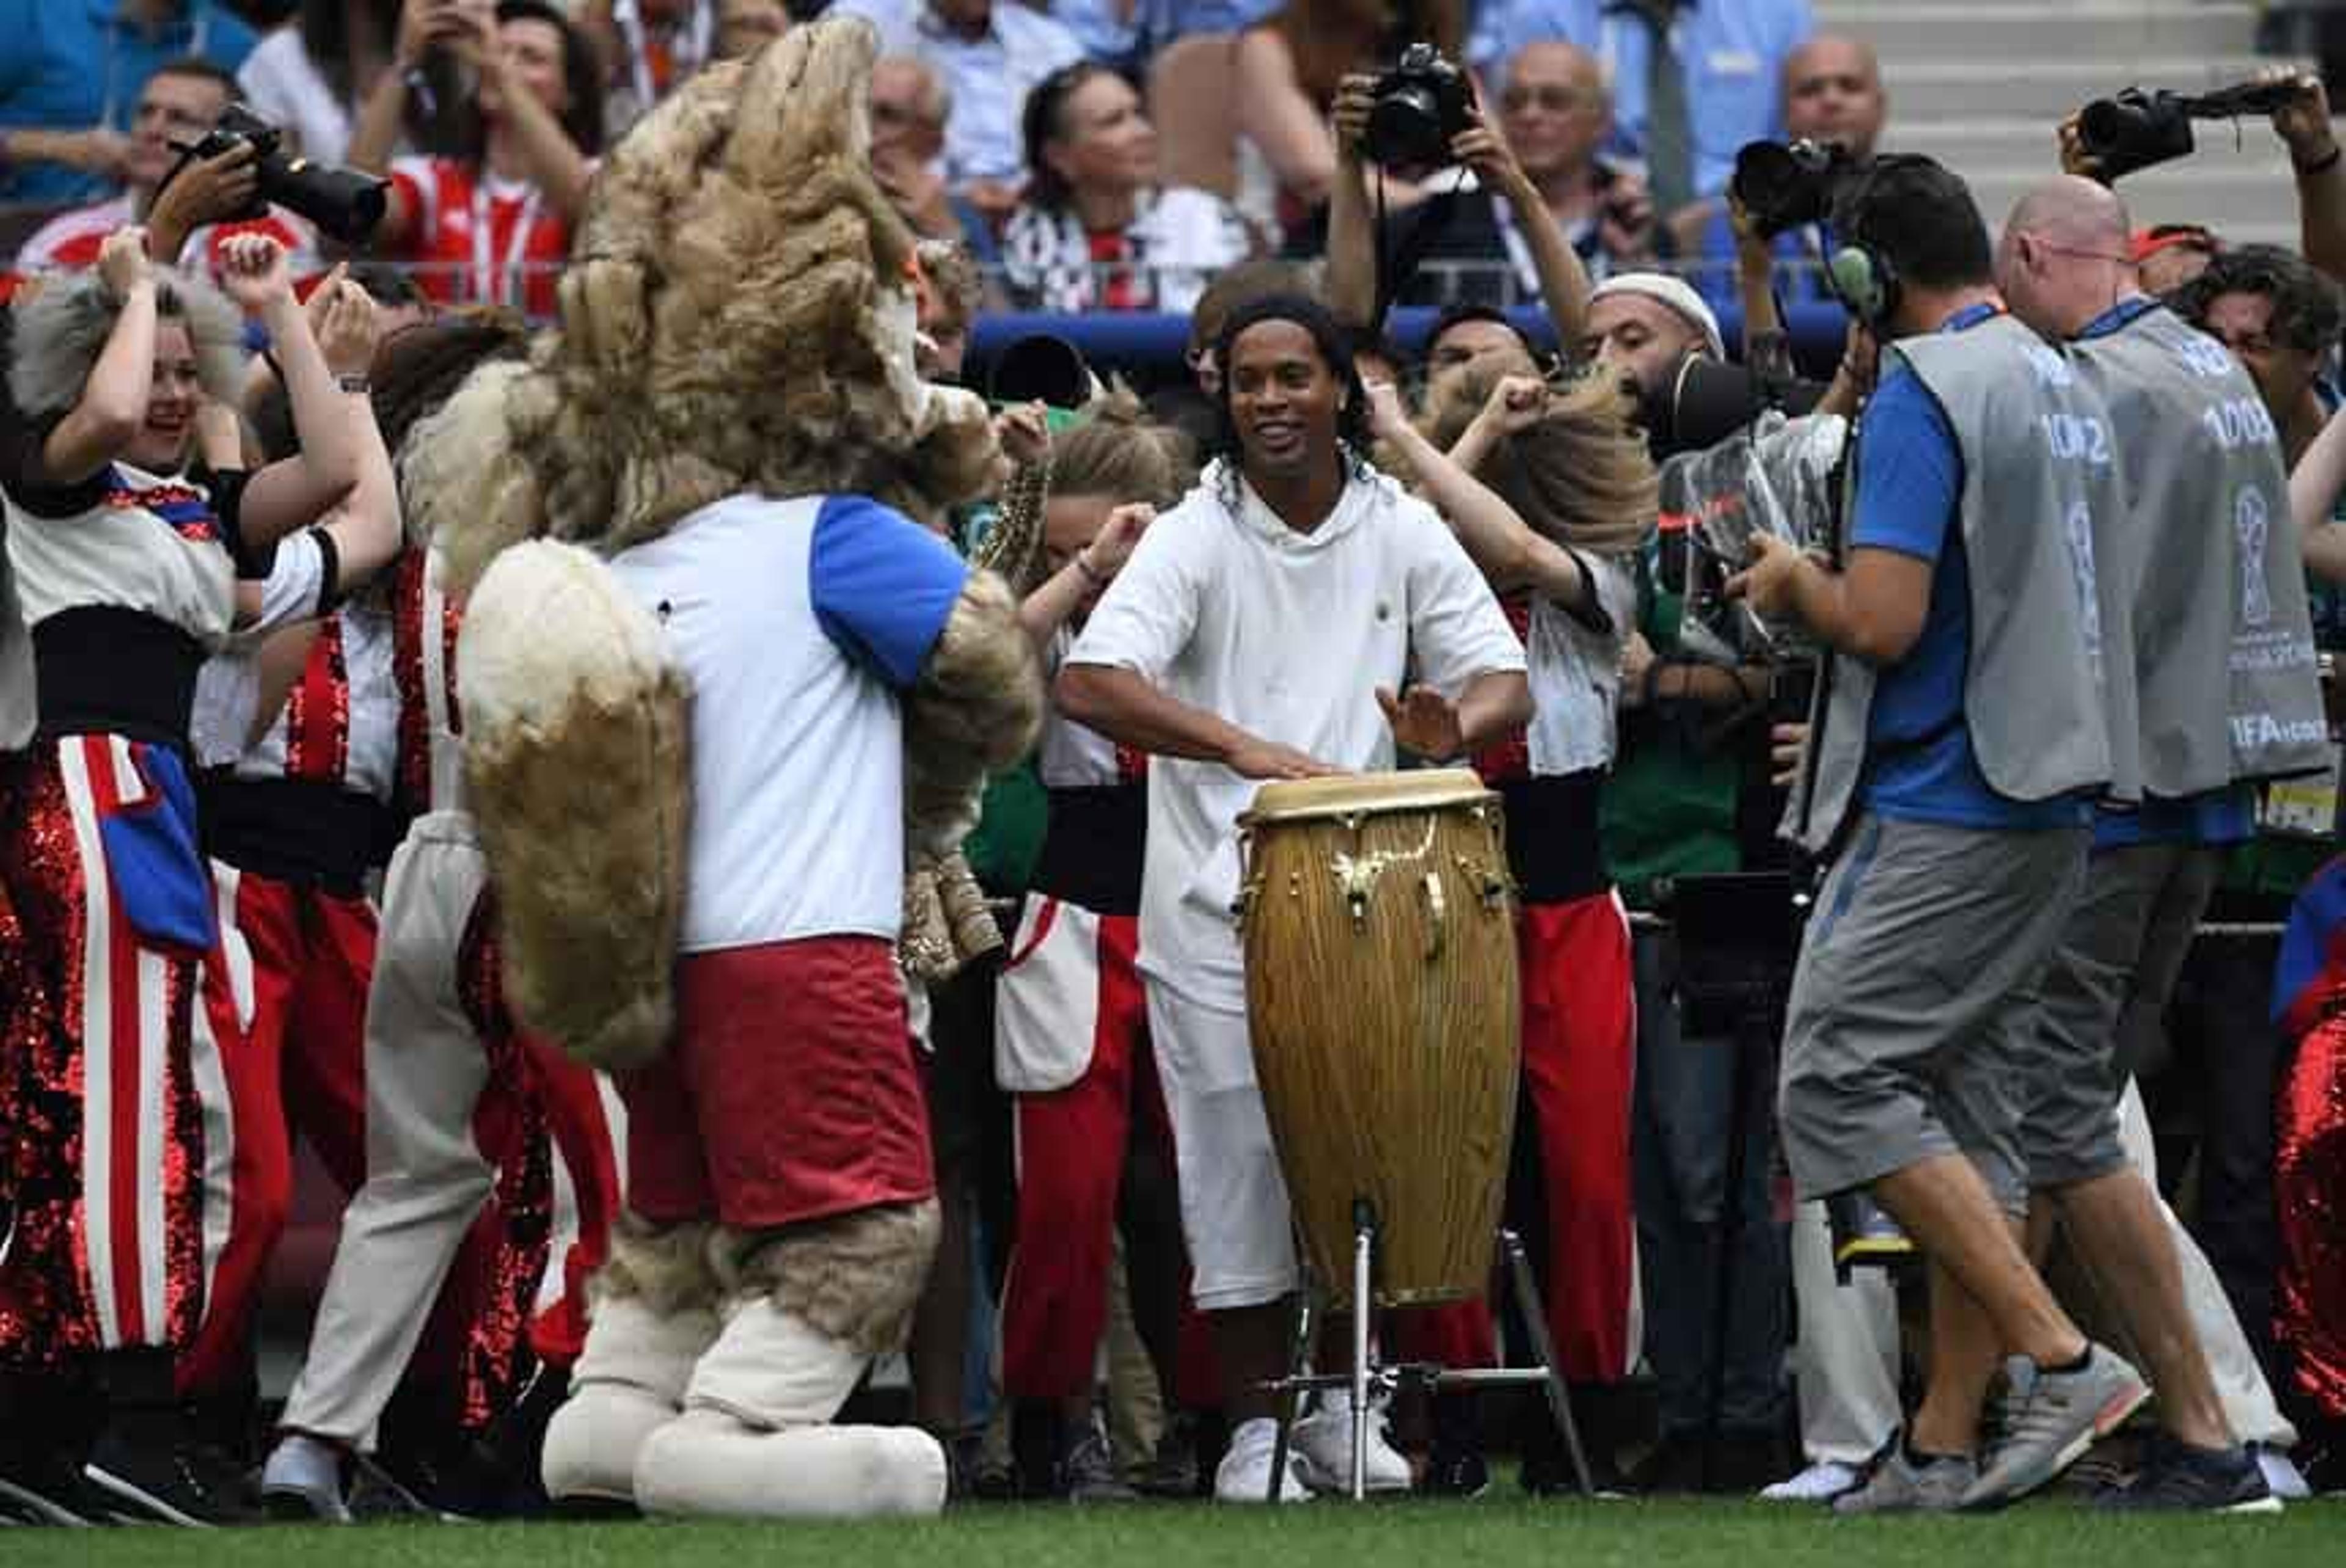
{"points": [[1379, 936]]}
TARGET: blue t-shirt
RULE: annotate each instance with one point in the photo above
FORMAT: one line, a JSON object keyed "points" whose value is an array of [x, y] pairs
{"points": [[2225, 816], [74, 65], [882, 585], [1920, 766]]}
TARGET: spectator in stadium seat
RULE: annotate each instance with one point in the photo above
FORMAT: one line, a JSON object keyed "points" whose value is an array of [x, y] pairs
{"points": [[311, 75], [70, 77], [1095, 231], [989, 57], [491, 226], [1731, 55], [910, 107], [648, 47], [181, 102], [1289, 67]]}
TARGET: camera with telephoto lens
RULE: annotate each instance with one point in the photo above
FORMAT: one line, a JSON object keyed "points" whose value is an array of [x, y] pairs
{"points": [[343, 202], [2136, 130], [1784, 184], [1420, 106]]}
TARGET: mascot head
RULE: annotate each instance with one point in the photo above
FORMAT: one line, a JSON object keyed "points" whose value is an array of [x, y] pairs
{"points": [[738, 315]]}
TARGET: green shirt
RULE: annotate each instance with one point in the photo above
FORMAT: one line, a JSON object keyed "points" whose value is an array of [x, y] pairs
{"points": [[1669, 806]]}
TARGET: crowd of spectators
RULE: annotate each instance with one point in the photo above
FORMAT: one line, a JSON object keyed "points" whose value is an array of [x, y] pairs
{"points": [[1105, 155]]}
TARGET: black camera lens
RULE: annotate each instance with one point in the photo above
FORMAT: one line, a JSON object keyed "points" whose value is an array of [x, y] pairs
{"points": [[1784, 184], [1405, 129]]}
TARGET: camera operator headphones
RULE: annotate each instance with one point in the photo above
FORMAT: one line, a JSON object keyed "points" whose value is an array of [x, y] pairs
{"points": [[1860, 277]]}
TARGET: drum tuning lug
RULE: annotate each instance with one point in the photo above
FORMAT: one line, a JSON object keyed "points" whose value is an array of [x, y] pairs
{"points": [[1243, 905]]}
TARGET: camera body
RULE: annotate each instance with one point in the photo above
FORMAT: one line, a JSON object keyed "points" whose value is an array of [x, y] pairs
{"points": [[343, 202], [1420, 106], [2135, 129], [1784, 184]]}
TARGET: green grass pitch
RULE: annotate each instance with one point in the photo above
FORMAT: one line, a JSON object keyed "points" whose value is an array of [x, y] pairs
{"points": [[1322, 1534]]}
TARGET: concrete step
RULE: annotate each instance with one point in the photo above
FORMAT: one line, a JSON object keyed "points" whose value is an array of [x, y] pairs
{"points": [[2026, 141], [2154, 196], [1923, 88], [2106, 30]]}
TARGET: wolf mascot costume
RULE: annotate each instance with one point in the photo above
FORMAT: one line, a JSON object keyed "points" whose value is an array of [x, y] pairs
{"points": [[722, 702]]}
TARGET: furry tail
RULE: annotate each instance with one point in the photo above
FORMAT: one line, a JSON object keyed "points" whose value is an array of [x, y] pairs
{"points": [[575, 719]]}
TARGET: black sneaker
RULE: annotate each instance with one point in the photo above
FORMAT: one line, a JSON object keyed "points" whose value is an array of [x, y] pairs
{"points": [[192, 1484], [51, 1495], [2178, 1478], [1455, 1472]]}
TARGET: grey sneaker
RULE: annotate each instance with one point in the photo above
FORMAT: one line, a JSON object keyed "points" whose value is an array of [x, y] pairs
{"points": [[303, 1480], [2052, 1418], [1087, 1473], [1897, 1485]]}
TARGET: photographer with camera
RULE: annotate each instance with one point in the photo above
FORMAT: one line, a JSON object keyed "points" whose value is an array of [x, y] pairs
{"points": [[2111, 137], [191, 206], [2206, 499], [492, 224], [1964, 731], [1422, 116], [1834, 113]]}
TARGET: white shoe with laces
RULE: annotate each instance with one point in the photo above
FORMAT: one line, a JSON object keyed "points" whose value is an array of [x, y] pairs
{"points": [[1244, 1474], [1325, 1441], [1820, 1482]]}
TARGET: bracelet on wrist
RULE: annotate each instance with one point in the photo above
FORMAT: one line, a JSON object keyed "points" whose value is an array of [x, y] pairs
{"points": [[2323, 165], [1089, 571], [356, 385]]}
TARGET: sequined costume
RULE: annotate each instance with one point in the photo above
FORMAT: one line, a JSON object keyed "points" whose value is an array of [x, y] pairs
{"points": [[124, 580], [2309, 1167]]}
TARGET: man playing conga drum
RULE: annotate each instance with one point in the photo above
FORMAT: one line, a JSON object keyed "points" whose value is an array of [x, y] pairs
{"points": [[1261, 631]]}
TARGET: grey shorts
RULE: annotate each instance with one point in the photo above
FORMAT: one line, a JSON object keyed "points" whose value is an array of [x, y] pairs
{"points": [[2117, 958], [1915, 1001]]}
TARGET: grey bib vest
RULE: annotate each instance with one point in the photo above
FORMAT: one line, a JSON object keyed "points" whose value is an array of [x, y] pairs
{"points": [[2048, 692], [2224, 646]]}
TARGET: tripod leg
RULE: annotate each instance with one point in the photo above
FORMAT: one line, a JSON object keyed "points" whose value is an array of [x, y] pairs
{"points": [[1299, 1364], [1364, 1245], [1534, 1313]]}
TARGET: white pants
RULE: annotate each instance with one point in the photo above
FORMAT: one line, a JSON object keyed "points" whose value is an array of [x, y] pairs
{"points": [[2247, 1400], [1234, 1207], [1846, 1363], [1846, 1359], [426, 1179]]}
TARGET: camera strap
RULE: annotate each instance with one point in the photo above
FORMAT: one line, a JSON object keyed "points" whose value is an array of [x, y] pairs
{"points": [[491, 283]]}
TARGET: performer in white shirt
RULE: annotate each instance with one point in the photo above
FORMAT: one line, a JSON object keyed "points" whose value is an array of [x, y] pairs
{"points": [[1264, 629]]}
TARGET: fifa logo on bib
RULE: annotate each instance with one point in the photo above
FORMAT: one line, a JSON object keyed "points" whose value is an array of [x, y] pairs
{"points": [[2080, 531], [2251, 522]]}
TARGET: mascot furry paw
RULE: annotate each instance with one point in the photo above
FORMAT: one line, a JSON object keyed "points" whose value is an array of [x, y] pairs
{"points": [[723, 694]]}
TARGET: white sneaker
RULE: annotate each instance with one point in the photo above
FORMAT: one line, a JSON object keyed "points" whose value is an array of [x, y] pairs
{"points": [[2283, 1478], [304, 1477], [1323, 1440], [1244, 1474], [1820, 1482]]}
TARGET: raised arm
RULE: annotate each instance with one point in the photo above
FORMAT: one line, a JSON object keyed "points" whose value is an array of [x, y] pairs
{"points": [[1086, 573], [1510, 554], [2303, 123], [113, 402], [1562, 280], [423, 26], [556, 166], [2313, 488], [298, 490]]}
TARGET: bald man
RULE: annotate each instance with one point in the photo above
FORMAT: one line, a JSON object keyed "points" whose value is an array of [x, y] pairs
{"points": [[1832, 93], [2218, 588]]}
